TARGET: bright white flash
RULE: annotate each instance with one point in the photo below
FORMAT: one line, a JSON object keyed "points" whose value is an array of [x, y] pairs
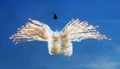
{"points": [[58, 42]]}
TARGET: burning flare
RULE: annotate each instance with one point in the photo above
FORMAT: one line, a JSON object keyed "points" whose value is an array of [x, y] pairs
{"points": [[58, 42]]}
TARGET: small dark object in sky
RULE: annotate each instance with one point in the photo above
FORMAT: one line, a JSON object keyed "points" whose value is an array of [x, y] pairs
{"points": [[55, 16]]}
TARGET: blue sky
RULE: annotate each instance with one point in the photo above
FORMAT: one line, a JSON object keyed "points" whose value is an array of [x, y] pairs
{"points": [[88, 54]]}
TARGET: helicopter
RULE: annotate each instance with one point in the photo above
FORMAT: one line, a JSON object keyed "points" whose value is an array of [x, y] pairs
{"points": [[55, 17]]}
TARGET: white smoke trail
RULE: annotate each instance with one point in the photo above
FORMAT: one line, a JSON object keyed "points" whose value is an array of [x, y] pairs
{"points": [[58, 42]]}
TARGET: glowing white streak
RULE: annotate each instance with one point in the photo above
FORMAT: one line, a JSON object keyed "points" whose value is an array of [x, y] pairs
{"points": [[82, 30], [58, 42]]}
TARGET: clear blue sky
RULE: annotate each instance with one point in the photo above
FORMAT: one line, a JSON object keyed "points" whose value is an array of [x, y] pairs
{"points": [[88, 54]]}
